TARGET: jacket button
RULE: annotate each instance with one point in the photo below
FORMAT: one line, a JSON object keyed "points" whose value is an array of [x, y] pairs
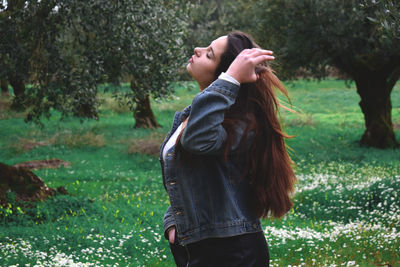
{"points": [[172, 183], [169, 154], [179, 213]]}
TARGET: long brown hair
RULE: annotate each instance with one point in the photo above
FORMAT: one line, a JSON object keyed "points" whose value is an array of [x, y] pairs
{"points": [[268, 166]]}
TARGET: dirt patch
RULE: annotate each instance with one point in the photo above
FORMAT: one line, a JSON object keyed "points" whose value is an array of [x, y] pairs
{"points": [[148, 146], [25, 184], [43, 164], [302, 119], [27, 145], [78, 140]]}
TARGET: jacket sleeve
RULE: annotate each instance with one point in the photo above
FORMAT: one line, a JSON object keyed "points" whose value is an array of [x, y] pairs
{"points": [[204, 133], [168, 221]]}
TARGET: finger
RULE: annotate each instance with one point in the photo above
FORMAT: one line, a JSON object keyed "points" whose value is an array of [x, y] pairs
{"points": [[257, 60], [258, 51], [246, 51]]}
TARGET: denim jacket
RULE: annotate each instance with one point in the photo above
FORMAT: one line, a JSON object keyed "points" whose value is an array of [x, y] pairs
{"points": [[207, 200]]}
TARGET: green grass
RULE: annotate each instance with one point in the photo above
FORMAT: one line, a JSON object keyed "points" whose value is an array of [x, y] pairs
{"points": [[347, 205]]}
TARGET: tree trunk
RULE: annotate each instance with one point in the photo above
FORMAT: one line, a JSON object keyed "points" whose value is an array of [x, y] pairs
{"points": [[4, 87], [376, 105], [85, 110], [143, 114], [18, 86]]}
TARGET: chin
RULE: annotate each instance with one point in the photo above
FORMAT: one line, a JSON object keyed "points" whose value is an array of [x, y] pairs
{"points": [[189, 70]]}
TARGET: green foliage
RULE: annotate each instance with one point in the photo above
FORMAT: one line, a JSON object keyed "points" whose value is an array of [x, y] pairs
{"points": [[66, 48], [211, 19], [312, 34], [60, 207], [150, 48], [11, 209], [53, 45], [359, 38], [386, 15]]}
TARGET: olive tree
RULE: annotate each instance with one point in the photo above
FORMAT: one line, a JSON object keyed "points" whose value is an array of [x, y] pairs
{"points": [[23, 28], [65, 49], [52, 45], [151, 52], [359, 37]]}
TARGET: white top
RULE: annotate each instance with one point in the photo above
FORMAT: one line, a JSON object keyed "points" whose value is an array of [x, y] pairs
{"points": [[172, 140]]}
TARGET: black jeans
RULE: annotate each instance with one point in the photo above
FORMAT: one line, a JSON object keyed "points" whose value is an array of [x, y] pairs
{"points": [[242, 250]]}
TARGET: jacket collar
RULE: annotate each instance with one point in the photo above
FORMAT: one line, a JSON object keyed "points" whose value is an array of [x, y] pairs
{"points": [[185, 113]]}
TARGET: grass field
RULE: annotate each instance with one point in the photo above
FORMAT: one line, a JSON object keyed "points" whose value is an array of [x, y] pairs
{"points": [[347, 202]]}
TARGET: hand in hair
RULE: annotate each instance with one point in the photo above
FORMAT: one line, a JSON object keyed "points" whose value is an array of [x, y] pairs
{"points": [[243, 67]]}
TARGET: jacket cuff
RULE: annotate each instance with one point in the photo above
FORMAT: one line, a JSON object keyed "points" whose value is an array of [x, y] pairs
{"points": [[169, 221]]}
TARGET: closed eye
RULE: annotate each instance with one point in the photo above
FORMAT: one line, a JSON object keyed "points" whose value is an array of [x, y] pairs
{"points": [[212, 51]]}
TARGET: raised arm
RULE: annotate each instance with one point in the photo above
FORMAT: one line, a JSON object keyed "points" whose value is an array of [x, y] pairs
{"points": [[204, 133]]}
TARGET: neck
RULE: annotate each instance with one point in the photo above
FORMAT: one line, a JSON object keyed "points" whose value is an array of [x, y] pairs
{"points": [[203, 86]]}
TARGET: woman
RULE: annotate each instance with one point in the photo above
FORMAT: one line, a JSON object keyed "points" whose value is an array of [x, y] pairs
{"points": [[224, 161]]}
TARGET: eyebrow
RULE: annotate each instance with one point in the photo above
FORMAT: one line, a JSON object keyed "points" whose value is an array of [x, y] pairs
{"points": [[212, 51]]}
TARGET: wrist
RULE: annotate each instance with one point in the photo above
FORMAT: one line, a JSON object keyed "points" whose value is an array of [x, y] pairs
{"points": [[229, 78], [169, 229], [233, 75]]}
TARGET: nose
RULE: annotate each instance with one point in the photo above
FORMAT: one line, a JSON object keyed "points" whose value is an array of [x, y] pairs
{"points": [[197, 51]]}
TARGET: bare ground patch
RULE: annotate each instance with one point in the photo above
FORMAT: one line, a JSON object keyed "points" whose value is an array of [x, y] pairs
{"points": [[71, 140], [149, 145], [76, 140], [302, 119], [43, 164], [26, 144]]}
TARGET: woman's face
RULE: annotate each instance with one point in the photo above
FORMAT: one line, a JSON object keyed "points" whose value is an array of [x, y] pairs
{"points": [[204, 62]]}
